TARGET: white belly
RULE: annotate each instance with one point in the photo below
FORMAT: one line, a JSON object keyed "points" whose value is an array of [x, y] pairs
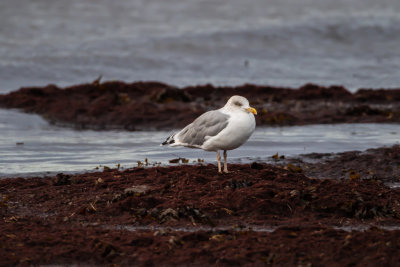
{"points": [[234, 135]]}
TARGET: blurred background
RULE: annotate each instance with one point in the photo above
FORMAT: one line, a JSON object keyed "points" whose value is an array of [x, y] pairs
{"points": [[354, 43]]}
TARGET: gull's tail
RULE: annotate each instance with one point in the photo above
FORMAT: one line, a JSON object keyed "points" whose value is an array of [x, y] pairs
{"points": [[169, 141]]}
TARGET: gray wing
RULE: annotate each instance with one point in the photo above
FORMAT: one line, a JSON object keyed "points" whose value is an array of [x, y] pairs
{"points": [[208, 124]]}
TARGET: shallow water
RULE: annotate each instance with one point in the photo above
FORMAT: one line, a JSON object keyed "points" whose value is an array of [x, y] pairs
{"points": [[30, 146], [247, 228], [394, 185], [193, 229], [228, 42]]}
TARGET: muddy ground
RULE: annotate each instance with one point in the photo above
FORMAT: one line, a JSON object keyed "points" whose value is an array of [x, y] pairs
{"points": [[259, 214], [153, 105]]}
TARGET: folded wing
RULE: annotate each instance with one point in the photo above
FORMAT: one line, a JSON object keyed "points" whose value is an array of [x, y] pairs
{"points": [[207, 125]]}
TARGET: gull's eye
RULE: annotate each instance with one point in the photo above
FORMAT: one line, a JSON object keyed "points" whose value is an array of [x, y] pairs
{"points": [[237, 103]]}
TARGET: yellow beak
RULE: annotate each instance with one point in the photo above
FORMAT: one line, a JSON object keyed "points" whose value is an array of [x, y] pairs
{"points": [[251, 110]]}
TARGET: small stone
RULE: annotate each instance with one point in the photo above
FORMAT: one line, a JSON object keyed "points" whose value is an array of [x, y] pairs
{"points": [[137, 189]]}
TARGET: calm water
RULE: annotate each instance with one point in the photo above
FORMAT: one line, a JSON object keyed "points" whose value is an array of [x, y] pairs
{"points": [[48, 149], [278, 42]]}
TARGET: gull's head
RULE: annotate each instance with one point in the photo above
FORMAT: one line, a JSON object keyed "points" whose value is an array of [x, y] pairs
{"points": [[237, 102]]}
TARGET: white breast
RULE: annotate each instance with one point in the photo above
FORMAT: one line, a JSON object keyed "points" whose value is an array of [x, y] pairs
{"points": [[240, 127]]}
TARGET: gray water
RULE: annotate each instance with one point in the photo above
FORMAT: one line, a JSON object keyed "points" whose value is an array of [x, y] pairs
{"points": [[30, 146], [227, 42]]}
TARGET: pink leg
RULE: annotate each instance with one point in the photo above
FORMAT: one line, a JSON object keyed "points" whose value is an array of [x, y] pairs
{"points": [[225, 162], [219, 162]]}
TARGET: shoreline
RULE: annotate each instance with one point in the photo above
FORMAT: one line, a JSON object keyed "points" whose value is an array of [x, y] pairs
{"points": [[313, 165]]}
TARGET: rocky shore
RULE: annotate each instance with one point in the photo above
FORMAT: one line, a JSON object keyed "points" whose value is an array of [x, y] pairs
{"points": [[297, 212], [153, 105]]}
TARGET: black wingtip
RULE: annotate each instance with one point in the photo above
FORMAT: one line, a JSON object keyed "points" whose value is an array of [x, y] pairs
{"points": [[170, 140]]}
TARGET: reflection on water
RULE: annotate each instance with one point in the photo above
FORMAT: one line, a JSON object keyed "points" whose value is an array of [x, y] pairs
{"points": [[29, 145]]}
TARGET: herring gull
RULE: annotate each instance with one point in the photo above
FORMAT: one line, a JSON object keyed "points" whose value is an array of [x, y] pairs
{"points": [[224, 129]]}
